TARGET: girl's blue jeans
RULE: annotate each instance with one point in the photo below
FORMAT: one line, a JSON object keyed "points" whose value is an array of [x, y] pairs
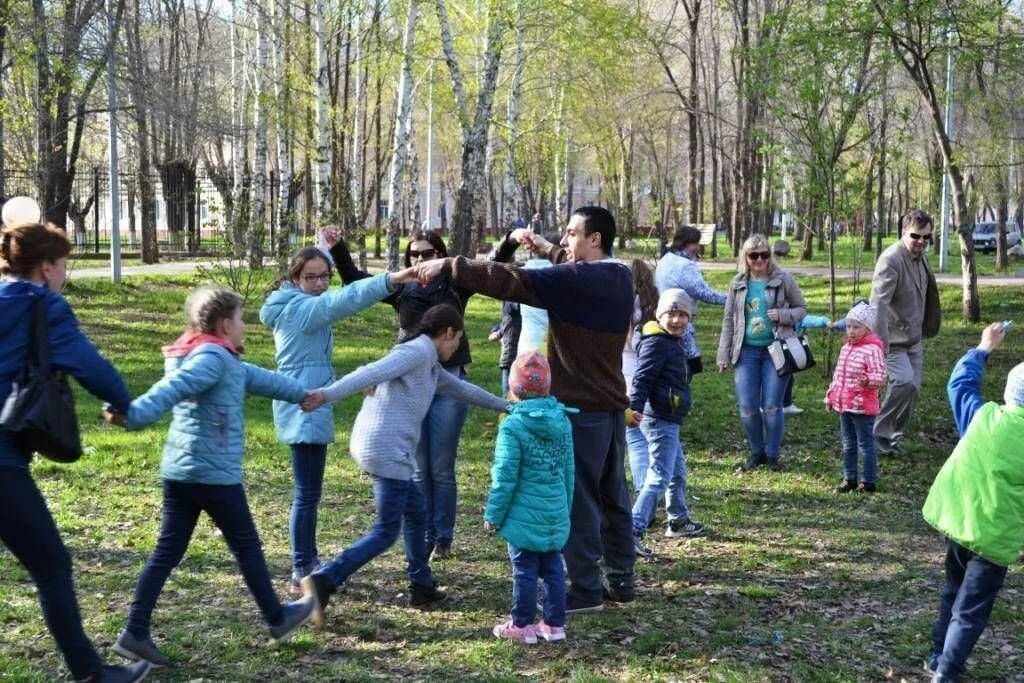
{"points": [[759, 392], [857, 431], [308, 461], [527, 567]]}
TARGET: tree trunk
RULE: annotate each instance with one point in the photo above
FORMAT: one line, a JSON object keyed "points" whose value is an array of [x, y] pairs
{"points": [[322, 166], [403, 122], [258, 221]]}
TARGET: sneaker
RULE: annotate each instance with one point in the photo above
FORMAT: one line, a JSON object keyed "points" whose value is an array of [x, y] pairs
{"points": [[846, 486], [442, 551], [521, 634], [120, 674], [136, 649], [577, 605], [640, 548], [425, 596], [550, 634], [293, 615], [319, 589], [791, 410], [685, 528], [751, 463], [775, 465], [618, 593], [866, 487]]}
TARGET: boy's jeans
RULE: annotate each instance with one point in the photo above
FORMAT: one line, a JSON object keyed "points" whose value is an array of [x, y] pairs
{"points": [[527, 567], [857, 430], [639, 457], [759, 392], [399, 508], [308, 460], [666, 471], [972, 583]]}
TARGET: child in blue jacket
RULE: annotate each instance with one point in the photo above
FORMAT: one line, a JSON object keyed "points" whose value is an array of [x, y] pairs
{"points": [[205, 385], [532, 481], [659, 399], [301, 310]]}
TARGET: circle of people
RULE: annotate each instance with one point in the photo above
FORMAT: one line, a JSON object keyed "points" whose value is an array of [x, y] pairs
{"points": [[559, 495]]}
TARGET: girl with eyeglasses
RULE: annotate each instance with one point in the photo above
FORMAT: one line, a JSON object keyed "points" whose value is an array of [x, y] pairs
{"points": [[442, 426], [301, 310], [763, 302]]}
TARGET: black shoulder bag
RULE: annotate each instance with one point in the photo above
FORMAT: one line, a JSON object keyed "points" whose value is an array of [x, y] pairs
{"points": [[39, 414]]}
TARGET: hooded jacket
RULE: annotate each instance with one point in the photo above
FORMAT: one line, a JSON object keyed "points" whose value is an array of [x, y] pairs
{"points": [[205, 384], [661, 384], [304, 343], [860, 372], [532, 476]]}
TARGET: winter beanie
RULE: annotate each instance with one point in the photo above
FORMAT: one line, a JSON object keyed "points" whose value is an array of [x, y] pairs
{"points": [[864, 313], [674, 299], [529, 376], [1014, 393]]}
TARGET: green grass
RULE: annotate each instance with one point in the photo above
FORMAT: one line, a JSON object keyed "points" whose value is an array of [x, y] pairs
{"points": [[793, 582]]}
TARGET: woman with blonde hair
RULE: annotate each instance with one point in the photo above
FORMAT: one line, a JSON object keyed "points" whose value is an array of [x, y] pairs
{"points": [[763, 302]]}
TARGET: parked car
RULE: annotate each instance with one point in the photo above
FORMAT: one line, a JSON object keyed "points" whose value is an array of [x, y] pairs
{"points": [[984, 236]]}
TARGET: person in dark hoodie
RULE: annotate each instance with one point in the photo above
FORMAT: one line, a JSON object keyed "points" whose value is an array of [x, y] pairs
{"points": [[659, 400], [34, 268]]}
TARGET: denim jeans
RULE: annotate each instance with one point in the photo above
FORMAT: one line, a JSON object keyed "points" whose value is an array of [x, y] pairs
{"points": [[639, 456], [857, 431], [308, 461], [400, 508], [435, 463], [527, 567], [972, 583], [601, 523], [28, 531], [505, 372], [666, 475], [759, 392], [228, 508]]}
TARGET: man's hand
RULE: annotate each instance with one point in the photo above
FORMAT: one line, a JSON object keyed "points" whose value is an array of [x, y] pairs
{"points": [[522, 236], [314, 399], [428, 271], [494, 336], [113, 417], [536, 243], [991, 337], [328, 236], [402, 276]]}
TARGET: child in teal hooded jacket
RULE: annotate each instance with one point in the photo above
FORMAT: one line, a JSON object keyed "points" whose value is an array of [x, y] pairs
{"points": [[532, 482]]}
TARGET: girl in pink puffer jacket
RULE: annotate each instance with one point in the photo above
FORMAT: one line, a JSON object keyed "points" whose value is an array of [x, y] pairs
{"points": [[859, 374]]}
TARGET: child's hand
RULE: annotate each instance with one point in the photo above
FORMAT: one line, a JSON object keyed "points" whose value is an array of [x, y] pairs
{"points": [[493, 336], [522, 236], [328, 236], [722, 367], [489, 528], [991, 337], [314, 399], [112, 417], [633, 418], [370, 391]]}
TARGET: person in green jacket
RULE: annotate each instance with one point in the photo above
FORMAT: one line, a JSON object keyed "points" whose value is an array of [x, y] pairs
{"points": [[532, 482], [977, 501]]}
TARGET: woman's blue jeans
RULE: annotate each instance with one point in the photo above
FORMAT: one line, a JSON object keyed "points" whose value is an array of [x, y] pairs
{"points": [[308, 461], [759, 394], [435, 464], [857, 431]]}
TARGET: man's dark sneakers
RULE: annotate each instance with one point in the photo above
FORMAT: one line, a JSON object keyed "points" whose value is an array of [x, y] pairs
{"points": [[866, 487], [775, 465], [442, 551], [618, 593], [751, 463], [425, 596], [121, 674], [319, 588], [576, 605], [846, 485], [136, 649]]}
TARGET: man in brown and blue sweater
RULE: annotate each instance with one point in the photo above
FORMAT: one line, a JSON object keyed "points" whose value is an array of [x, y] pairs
{"points": [[589, 300]]}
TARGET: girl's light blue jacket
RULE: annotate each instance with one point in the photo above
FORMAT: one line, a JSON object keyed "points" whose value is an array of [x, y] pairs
{"points": [[206, 389], [304, 340]]}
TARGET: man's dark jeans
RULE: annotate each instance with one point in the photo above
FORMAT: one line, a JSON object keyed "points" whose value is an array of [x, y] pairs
{"points": [[28, 531], [972, 583], [229, 510], [602, 523]]}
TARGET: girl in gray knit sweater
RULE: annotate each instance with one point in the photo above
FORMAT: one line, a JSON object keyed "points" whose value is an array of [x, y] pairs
{"points": [[383, 443]]}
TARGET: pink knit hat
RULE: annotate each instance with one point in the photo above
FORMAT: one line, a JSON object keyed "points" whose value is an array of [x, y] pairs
{"points": [[529, 376]]}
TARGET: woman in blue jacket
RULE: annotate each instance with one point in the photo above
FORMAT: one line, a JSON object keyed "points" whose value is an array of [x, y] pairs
{"points": [[34, 268], [301, 310]]}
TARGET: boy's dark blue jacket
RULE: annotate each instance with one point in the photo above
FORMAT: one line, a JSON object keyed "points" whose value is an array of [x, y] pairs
{"points": [[661, 384]]}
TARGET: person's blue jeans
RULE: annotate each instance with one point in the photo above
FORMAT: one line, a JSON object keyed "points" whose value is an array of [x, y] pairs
{"points": [[639, 457], [400, 508], [759, 392], [527, 567], [308, 461], [28, 531], [228, 507], [435, 464], [505, 372], [857, 431], [666, 475], [972, 583]]}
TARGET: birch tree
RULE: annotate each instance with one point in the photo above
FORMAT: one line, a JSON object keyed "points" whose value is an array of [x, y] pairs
{"points": [[403, 127]]}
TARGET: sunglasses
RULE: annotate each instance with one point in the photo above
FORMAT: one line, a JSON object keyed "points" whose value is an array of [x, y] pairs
{"points": [[759, 255], [426, 254], [919, 238]]}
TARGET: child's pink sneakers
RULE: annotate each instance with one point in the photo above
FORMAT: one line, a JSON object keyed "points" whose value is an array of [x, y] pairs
{"points": [[550, 633], [521, 634]]}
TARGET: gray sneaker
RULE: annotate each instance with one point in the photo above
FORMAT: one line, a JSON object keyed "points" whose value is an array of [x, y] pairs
{"points": [[130, 647], [641, 549], [684, 528], [293, 615]]}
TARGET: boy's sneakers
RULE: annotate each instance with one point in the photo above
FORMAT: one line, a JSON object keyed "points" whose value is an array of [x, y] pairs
{"points": [[120, 674], [574, 604], [641, 549], [135, 649], [846, 486], [293, 615], [791, 409], [866, 487], [318, 590], [549, 633], [521, 634], [683, 528], [425, 596]]}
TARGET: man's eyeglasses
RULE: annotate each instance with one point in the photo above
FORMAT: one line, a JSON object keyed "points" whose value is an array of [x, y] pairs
{"points": [[919, 238], [426, 254], [322, 277], [759, 255]]}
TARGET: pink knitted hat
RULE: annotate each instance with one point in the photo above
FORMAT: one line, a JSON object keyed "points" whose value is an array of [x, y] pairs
{"points": [[529, 376]]}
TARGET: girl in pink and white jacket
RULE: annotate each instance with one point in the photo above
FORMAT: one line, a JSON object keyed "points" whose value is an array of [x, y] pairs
{"points": [[860, 373]]}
